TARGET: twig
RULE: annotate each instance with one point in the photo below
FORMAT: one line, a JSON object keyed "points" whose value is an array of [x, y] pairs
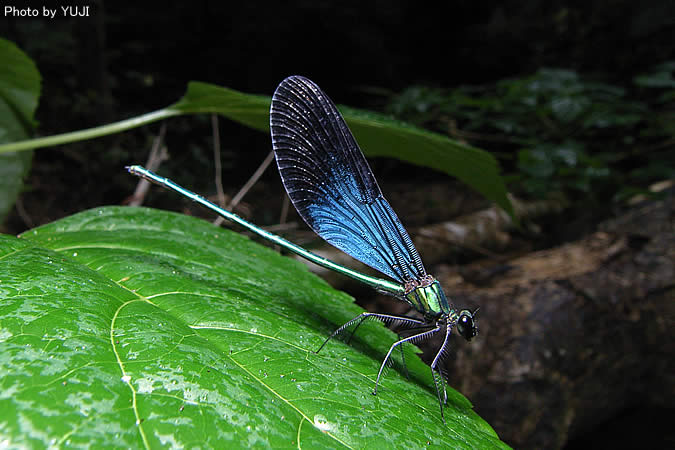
{"points": [[249, 184], [281, 227], [216, 160], [284, 210], [158, 154], [23, 214]]}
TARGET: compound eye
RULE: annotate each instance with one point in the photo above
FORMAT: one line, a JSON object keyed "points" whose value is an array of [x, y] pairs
{"points": [[466, 325]]}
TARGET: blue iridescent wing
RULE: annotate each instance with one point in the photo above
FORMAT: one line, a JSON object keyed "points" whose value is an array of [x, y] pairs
{"points": [[331, 185]]}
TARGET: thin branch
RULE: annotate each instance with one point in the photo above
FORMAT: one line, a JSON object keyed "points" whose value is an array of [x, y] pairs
{"points": [[281, 227], [284, 210], [249, 184], [158, 154], [23, 214], [216, 160]]}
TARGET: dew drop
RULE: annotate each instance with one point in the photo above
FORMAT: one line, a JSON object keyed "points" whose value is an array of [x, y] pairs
{"points": [[321, 422]]}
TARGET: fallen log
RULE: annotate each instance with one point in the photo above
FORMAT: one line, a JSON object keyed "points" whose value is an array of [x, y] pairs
{"points": [[569, 337], [572, 336]]}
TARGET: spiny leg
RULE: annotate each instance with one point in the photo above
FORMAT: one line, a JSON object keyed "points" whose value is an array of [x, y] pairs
{"points": [[439, 384], [351, 335], [437, 373], [414, 338], [400, 336], [405, 368], [386, 318]]}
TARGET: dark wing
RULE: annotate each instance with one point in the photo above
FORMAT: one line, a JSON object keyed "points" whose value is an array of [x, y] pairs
{"points": [[330, 183]]}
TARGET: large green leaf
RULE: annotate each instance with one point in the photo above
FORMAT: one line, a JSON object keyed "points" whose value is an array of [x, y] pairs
{"points": [[248, 109], [132, 327], [378, 135], [19, 93]]}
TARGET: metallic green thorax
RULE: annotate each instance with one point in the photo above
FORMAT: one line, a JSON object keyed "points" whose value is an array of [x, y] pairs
{"points": [[428, 298]]}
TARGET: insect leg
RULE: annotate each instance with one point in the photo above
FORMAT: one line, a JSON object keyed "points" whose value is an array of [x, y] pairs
{"points": [[400, 336], [405, 368], [414, 338], [358, 320], [437, 373]]}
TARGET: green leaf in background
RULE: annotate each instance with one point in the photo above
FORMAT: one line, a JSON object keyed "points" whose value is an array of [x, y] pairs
{"points": [[248, 109], [19, 93], [131, 327], [661, 76], [377, 135], [380, 136]]}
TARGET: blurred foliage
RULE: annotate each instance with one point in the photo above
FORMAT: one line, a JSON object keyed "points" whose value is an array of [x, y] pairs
{"points": [[19, 94], [560, 132], [118, 63]]}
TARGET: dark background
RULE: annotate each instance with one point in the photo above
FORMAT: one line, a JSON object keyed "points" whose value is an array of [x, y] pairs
{"points": [[129, 58]]}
